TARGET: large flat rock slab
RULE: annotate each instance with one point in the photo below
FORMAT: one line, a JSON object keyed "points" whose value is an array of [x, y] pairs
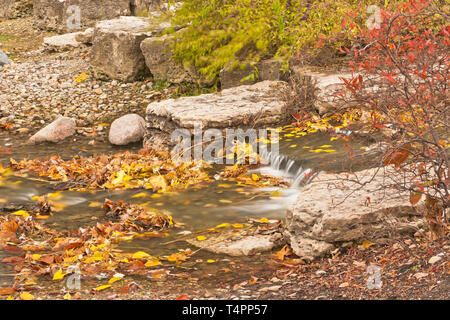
{"points": [[333, 209], [244, 106], [60, 15]]}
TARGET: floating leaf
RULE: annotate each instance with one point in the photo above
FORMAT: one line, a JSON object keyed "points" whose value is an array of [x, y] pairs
{"points": [[140, 255], [106, 286], [58, 275], [201, 238]]}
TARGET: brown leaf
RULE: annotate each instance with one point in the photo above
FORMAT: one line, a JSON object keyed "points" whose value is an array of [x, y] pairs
{"points": [[6, 291], [13, 260]]}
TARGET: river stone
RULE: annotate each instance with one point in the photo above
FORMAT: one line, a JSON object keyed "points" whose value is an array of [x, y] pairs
{"points": [[3, 58], [327, 213], [58, 130], [12, 9], [160, 62], [127, 129], [270, 69], [255, 106], [58, 15], [238, 242], [116, 52]]}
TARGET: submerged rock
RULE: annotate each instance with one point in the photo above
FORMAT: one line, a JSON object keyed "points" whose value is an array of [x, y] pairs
{"points": [[127, 129], [240, 242], [332, 209], [58, 130]]}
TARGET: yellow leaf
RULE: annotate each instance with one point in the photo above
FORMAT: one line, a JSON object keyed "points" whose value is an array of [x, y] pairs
{"points": [[22, 213], [201, 238], [58, 275], [10, 298], [225, 201], [367, 244], [210, 261], [223, 225], [114, 279], [67, 296], [106, 286], [140, 255], [263, 220], [36, 256], [94, 204], [255, 177], [26, 296], [238, 225], [152, 262], [293, 146], [140, 195]]}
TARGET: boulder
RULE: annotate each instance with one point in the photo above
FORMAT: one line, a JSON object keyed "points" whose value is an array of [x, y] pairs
{"points": [[332, 209], [12, 9], [245, 106], [61, 15], [159, 60], [62, 42], [127, 129], [3, 58], [56, 131], [270, 69], [116, 52], [245, 241]]}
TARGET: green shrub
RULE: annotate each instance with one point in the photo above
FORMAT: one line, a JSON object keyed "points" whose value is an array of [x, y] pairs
{"points": [[236, 33]]}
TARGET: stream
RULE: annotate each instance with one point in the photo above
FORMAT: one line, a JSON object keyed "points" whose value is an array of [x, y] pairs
{"points": [[198, 208]]}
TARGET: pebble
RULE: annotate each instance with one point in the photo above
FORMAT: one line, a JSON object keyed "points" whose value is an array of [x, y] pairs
{"points": [[42, 86], [435, 258]]}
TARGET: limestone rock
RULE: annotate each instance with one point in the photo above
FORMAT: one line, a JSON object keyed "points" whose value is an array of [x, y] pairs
{"points": [[61, 15], [62, 42], [3, 58], [58, 130], [116, 52], [270, 69], [86, 36], [245, 106], [127, 129], [243, 243], [160, 62], [331, 210], [12, 9]]}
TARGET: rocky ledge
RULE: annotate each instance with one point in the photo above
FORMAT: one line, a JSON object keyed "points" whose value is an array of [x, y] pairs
{"points": [[333, 210], [240, 107]]}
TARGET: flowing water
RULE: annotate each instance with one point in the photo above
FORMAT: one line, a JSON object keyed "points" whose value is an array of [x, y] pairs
{"points": [[199, 207]]}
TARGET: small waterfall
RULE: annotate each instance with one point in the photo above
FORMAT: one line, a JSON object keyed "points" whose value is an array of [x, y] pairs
{"points": [[285, 167]]}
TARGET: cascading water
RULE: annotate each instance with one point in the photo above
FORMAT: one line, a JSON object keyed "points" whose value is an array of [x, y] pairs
{"points": [[283, 167]]}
